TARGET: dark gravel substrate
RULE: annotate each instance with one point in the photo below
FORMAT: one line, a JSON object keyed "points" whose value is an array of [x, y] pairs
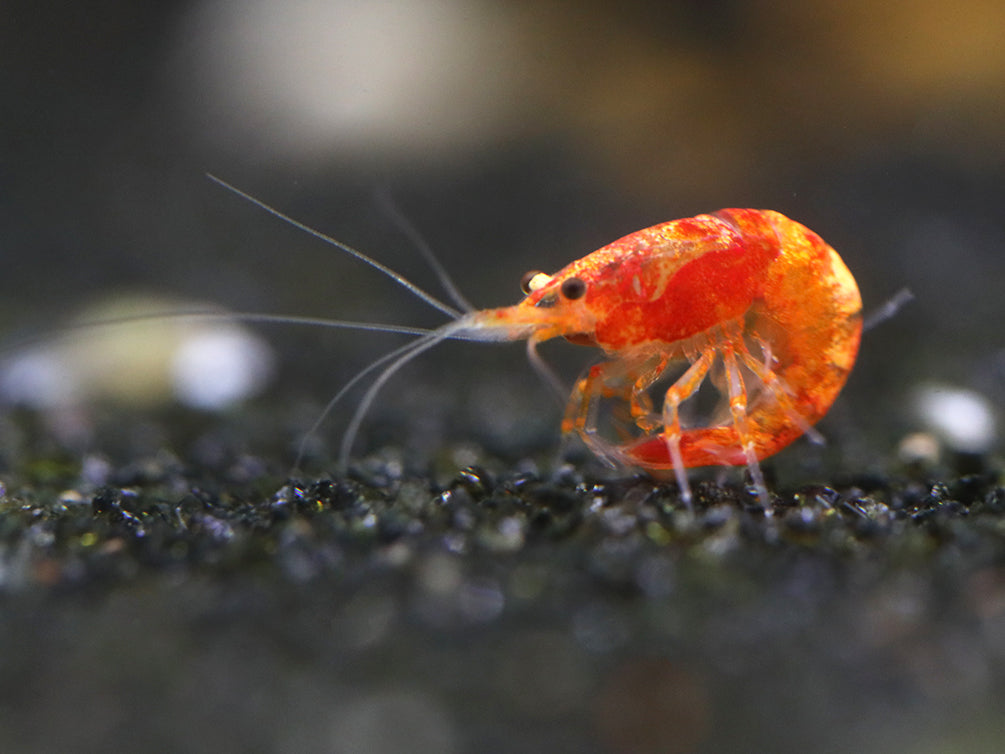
{"points": [[494, 612]]}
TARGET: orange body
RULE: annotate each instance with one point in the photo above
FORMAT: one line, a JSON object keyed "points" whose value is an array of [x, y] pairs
{"points": [[749, 300]]}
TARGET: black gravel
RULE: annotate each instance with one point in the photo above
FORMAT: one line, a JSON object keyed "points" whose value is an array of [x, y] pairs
{"points": [[507, 611]]}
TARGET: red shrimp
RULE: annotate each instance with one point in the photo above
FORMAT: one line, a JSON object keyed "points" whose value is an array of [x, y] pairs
{"points": [[747, 300], [754, 301]]}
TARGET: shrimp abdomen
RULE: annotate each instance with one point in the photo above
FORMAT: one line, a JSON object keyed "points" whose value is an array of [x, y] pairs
{"points": [[808, 319]]}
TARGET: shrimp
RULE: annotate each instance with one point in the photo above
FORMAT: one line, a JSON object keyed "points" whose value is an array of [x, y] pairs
{"points": [[747, 300]]}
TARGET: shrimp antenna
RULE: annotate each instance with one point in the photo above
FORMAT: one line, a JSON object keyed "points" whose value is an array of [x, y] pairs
{"points": [[343, 391], [402, 355], [395, 276], [210, 315], [394, 213], [545, 372], [407, 353]]}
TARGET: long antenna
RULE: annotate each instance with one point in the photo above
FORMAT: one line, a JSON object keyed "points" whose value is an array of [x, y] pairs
{"points": [[343, 391], [391, 209], [69, 328], [395, 276], [416, 347]]}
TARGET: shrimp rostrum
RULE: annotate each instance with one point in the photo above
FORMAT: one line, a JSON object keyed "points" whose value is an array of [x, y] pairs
{"points": [[753, 303]]}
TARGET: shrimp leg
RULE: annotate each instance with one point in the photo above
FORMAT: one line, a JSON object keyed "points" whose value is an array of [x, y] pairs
{"points": [[624, 379], [686, 386], [779, 390], [737, 393], [640, 404], [611, 380]]}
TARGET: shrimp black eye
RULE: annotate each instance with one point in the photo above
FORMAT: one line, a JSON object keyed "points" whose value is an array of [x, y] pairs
{"points": [[573, 288], [533, 280]]}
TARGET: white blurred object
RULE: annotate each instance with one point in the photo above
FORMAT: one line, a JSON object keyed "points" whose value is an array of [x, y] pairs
{"points": [[963, 419], [206, 363], [219, 367], [308, 79], [919, 448]]}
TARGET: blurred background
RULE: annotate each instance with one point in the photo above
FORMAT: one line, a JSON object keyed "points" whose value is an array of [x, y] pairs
{"points": [[520, 136], [514, 136]]}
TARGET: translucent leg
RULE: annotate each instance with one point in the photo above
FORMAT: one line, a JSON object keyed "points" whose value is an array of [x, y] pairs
{"points": [[581, 413], [779, 390], [639, 402], [624, 379], [686, 386], [738, 408]]}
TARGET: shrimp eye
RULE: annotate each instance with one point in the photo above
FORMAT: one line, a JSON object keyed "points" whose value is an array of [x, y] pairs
{"points": [[573, 288], [533, 280]]}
